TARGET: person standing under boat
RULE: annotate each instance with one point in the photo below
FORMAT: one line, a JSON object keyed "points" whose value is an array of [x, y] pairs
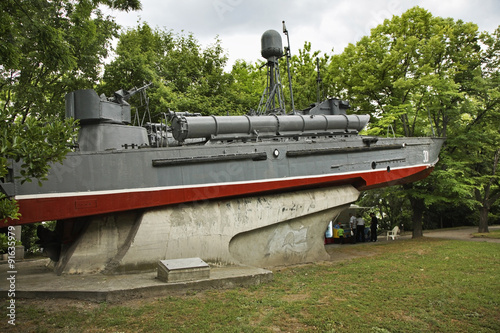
{"points": [[352, 225], [360, 229], [373, 228]]}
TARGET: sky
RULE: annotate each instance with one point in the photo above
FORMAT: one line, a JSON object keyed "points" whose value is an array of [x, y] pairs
{"points": [[330, 25]]}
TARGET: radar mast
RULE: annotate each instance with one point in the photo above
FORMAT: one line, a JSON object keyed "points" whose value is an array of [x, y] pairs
{"points": [[272, 98]]}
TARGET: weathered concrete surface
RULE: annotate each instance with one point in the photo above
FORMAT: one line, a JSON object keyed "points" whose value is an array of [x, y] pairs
{"points": [[103, 240], [35, 280], [295, 241], [263, 231]]}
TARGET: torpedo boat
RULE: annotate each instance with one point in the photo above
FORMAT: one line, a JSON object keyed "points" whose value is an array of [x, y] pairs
{"points": [[256, 189]]}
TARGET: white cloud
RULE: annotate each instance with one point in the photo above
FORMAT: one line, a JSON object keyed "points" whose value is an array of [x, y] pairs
{"points": [[326, 24]]}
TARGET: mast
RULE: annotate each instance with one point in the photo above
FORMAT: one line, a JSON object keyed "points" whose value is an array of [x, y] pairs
{"points": [[287, 52], [319, 80]]}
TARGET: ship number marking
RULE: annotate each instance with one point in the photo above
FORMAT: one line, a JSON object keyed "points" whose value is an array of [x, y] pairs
{"points": [[426, 156]]}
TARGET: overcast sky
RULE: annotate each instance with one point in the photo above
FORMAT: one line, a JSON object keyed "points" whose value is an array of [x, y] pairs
{"points": [[330, 25]]}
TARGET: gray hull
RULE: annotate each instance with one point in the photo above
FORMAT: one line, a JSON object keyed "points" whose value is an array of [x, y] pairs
{"points": [[90, 183]]}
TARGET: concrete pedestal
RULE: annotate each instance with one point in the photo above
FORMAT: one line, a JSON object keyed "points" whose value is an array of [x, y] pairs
{"points": [[262, 231]]}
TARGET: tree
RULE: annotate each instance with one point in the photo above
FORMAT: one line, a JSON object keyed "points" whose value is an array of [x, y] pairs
{"points": [[248, 83], [392, 205], [303, 68], [473, 148], [185, 77], [47, 49], [413, 75], [487, 189], [475, 153]]}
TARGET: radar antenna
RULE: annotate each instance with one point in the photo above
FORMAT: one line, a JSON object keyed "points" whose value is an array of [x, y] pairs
{"points": [[272, 97]]}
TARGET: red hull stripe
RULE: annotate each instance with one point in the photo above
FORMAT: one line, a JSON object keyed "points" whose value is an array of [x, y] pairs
{"points": [[46, 207]]}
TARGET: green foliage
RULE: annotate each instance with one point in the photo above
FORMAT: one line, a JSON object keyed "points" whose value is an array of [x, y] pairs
{"points": [[422, 75], [248, 82], [48, 48], [125, 5], [8, 209], [474, 146], [303, 69], [406, 72], [185, 77], [4, 243], [392, 205]]}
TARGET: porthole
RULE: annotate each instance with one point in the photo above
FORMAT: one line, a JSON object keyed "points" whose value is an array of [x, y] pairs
{"points": [[374, 165], [276, 153]]}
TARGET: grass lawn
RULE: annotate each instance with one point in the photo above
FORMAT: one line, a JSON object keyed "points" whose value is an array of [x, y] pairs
{"points": [[424, 285]]}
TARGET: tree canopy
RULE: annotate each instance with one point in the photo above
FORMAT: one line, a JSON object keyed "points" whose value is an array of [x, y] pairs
{"points": [[185, 77], [423, 75], [47, 48]]}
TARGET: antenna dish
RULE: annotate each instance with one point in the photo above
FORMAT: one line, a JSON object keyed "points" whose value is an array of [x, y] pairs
{"points": [[272, 47]]}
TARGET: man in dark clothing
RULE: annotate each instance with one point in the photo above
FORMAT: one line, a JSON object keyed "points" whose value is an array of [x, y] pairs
{"points": [[373, 228]]}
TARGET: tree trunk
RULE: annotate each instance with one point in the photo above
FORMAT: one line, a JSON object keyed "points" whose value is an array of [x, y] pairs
{"points": [[483, 219], [418, 207], [488, 199]]}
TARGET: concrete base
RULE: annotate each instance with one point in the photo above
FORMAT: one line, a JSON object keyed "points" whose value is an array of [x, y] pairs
{"points": [[180, 270], [19, 252], [263, 231], [35, 280]]}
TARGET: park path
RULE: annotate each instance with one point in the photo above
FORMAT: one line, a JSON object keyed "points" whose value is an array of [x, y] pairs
{"points": [[464, 233]]}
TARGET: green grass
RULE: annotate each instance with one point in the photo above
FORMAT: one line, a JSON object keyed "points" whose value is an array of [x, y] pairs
{"points": [[425, 285]]}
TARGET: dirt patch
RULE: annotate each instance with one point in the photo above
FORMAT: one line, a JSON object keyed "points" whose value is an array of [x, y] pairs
{"points": [[463, 233], [348, 252], [57, 304]]}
